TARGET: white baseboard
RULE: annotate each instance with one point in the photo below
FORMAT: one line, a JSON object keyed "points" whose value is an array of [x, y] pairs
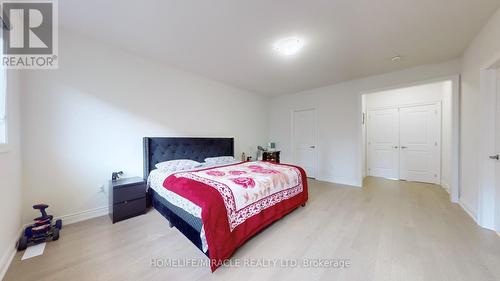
{"points": [[8, 256], [6, 260], [338, 181], [467, 210], [84, 215], [446, 187], [78, 217]]}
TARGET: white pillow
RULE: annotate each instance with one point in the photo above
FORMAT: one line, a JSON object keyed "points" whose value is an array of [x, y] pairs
{"points": [[178, 165], [220, 160]]}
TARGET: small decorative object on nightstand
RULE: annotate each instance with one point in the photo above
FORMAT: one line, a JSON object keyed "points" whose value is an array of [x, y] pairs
{"points": [[127, 198], [116, 175], [271, 156]]}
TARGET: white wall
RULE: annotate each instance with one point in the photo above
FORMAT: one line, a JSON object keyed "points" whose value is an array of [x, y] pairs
{"points": [[88, 118], [10, 178], [339, 118], [426, 93], [483, 49]]}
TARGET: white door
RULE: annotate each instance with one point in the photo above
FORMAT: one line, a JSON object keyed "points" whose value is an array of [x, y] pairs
{"points": [[383, 139], [304, 140], [420, 143]]}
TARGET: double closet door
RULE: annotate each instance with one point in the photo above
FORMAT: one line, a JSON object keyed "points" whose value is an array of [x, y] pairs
{"points": [[404, 143]]}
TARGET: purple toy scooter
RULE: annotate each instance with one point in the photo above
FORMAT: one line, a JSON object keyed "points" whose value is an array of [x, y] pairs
{"points": [[41, 231]]}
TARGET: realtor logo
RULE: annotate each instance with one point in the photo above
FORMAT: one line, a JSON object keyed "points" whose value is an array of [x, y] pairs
{"points": [[29, 34]]}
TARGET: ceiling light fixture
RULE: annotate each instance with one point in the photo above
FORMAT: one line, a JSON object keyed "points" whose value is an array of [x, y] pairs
{"points": [[288, 46]]}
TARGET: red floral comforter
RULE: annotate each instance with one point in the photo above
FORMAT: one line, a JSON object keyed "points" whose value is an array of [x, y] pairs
{"points": [[239, 200]]}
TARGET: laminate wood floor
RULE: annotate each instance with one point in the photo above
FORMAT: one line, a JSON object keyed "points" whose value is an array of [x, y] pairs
{"points": [[387, 230]]}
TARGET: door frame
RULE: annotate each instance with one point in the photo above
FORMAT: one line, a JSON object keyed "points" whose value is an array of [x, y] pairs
{"points": [[455, 128], [316, 138], [488, 197]]}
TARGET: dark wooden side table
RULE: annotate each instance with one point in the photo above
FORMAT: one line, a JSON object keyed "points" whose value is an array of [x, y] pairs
{"points": [[127, 198], [271, 156]]}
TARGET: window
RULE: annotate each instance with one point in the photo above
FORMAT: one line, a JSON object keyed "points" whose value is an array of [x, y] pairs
{"points": [[3, 105], [3, 108]]}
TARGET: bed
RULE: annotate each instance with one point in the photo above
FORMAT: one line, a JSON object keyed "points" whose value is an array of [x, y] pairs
{"points": [[185, 201]]}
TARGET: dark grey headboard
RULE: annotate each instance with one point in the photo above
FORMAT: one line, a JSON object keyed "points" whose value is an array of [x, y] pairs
{"points": [[163, 149]]}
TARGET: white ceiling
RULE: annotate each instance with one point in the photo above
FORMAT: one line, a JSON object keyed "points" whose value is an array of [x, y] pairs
{"points": [[231, 40]]}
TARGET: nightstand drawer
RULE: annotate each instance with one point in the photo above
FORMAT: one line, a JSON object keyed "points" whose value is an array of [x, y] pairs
{"points": [[129, 209], [128, 193]]}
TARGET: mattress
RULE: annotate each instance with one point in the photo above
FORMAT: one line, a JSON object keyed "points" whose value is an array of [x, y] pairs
{"points": [[157, 178], [191, 226], [155, 182], [180, 206], [239, 200]]}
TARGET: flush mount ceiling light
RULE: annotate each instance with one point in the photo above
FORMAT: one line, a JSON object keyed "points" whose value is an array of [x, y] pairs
{"points": [[288, 46]]}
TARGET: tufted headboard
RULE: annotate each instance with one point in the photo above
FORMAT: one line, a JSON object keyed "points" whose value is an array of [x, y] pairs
{"points": [[163, 149]]}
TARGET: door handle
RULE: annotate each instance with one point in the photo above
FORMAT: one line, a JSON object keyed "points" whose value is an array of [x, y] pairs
{"points": [[312, 146], [404, 147], [396, 147], [495, 157]]}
